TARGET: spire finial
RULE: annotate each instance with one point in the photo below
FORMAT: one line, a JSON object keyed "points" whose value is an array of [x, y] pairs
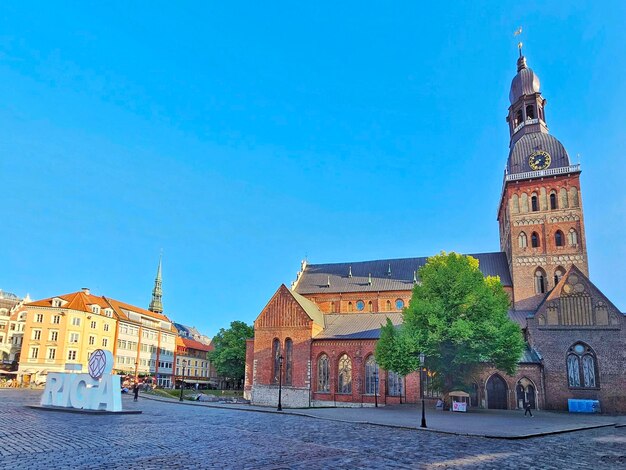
{"points": [[156, 304]]}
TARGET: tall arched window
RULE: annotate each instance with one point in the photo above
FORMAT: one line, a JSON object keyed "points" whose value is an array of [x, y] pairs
{"points": [[371, 375], [323, 374], [288, 361], [554, 204], [573, 237], [530, 112], [370, 308], [344, 375], [388, 305], [350, 308], [540, 281], [559, 238], [518, 117], [582, 370], [534, 203], [522, 240], [276, 356], [558, 274], [534, 240], [395, 384], [563, 204]]}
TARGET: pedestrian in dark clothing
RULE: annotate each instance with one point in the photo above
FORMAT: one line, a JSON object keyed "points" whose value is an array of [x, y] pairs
{"points": [[136, 391], [527, 409]]}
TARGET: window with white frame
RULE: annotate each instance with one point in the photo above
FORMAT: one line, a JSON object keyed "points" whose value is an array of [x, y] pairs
{"points": [[92, 340], [36, 335], [71, 355], [34, 352], [73, 337], [39, 318], [106, 327], [56, 319], [94, 325], [52, 353], [105, 342], [54, 335], [75, 321]]}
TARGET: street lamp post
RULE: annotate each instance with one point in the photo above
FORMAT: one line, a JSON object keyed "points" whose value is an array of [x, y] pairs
{"points": [[376, 388], [182, 380], [422, 359], [280, 382], [136, 365]]}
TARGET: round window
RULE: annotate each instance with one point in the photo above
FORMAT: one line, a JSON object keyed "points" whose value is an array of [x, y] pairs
{"points": [[399, 304], [360, 305], [579, 348]]}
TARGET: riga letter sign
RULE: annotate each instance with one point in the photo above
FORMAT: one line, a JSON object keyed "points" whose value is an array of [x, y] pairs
{"points": [[97, 390]]}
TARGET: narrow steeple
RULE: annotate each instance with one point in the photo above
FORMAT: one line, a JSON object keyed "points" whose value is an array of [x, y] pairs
{"points": [[156, 304]]}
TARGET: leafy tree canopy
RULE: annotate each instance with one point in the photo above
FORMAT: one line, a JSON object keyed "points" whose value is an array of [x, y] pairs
{"points": [[229, 353], [458, 319]]}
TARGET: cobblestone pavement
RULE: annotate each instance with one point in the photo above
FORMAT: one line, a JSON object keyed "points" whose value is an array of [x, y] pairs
{"points": [[177, 436]]}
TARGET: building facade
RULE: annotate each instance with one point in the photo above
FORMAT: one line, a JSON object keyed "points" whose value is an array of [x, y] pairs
{"points": [[317, 339], [193, 364]]}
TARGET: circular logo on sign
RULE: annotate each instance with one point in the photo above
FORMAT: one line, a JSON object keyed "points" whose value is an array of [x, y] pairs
{"points": [[97, 364]]}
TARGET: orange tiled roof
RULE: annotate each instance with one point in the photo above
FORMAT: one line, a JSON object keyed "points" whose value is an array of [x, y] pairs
{"points": [[193, 344], [118, 306], [75, 301]]}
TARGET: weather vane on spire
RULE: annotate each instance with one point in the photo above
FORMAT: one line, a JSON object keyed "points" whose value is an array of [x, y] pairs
{"points": [[517, 32]]}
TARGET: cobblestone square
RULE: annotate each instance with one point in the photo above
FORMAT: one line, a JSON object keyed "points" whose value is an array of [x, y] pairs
{"points": [[170, 435]]}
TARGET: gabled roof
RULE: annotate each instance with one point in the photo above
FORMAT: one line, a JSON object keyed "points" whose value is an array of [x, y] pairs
{"points": [[121, 308], [193, 344], [80, 301], [311, 309], [357, 326], [387, 274]]}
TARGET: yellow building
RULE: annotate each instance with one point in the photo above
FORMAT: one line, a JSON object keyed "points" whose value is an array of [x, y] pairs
{"points": [[61, 332]]}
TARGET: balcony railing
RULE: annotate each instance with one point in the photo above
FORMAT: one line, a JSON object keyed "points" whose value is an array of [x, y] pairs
{"points": [[543, 173]]}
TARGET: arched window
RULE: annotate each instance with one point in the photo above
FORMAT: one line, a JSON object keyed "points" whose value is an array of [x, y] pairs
{"points": [[370, 307], [573, 237], [530, 112], [534, 202], [522, 240], [323, 374], [554, 204], [573, 195], [558, 274], [524, 202], [582, 370], [563, 204], [350, 308], [515, 204], [288, 361], [540, 281], [518, 117], [276, 356], [558, 238], [344, 375], [534, 240], [389, 305], [395, 384], [371, 375]]}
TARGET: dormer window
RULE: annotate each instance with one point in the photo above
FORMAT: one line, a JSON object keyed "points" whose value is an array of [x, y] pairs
{"points": [[108, 312], [56, 302], [95, 309]]}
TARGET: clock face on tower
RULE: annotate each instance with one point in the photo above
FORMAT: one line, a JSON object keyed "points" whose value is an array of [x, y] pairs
{"points": [[539, 160]]}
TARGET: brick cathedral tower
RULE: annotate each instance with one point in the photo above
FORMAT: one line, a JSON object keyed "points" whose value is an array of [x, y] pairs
{"points": [[540, 214]]}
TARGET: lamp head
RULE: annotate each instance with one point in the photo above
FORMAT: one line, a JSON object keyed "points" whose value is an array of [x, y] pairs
{"points": [[422, 358]]}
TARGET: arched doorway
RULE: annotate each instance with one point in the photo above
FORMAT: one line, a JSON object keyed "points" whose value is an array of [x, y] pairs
{"points": [[496, 393], [525, 392]]}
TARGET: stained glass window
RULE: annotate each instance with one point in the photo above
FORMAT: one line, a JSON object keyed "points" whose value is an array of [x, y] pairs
{"points": [[288, 361], [276, 356], [323, 374], [371, 375], [344, 376], [581, 367], [395, 384]]}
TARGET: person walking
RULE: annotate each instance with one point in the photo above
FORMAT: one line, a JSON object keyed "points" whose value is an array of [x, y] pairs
{"points": [[527, 409], [136, 391]]}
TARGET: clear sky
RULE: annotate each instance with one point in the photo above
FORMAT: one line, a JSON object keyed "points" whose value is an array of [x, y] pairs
{"points": [[242, 137]]}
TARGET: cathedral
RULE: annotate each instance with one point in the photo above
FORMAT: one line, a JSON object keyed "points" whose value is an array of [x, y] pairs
{"points": [[315, 340]]}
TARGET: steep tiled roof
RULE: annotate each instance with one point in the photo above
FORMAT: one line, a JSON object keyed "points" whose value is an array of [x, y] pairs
{"points": [[529, 143], [193, 344], [530, 356], [316, 277], [75, 301], [357, 326]]}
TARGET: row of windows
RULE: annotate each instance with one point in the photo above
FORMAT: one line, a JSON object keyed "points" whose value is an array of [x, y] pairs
{"points": [[360, 305], [395, 382], [51, 353], [195, 364], [541, 280], [279, 359], [129, 329], [561, 200], [559, 239]]}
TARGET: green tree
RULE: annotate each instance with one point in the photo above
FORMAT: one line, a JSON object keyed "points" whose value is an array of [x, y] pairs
{"points": [[229, 351], [458, 319]]}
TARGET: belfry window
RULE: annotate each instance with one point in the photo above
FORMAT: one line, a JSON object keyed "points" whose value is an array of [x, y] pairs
{"points": [[582, 370], [573, 237], [558, 274], [323, 374], [530, 112], [558, 238], [534, 203], [534, 240], [553, 201], [518, 117], [540, 281], [522, 240]]}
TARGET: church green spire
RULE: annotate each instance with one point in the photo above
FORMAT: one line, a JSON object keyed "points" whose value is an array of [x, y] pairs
{"points": [[156, 304]]}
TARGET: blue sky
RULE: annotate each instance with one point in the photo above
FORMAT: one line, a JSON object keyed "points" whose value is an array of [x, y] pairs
{"points": [[241, 137]]}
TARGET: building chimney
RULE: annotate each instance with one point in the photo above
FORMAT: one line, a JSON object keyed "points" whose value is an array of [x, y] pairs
{"points": [[85, 290]]}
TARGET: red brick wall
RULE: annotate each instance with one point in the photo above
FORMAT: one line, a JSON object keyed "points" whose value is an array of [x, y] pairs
{"points": [[338, 302]]}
